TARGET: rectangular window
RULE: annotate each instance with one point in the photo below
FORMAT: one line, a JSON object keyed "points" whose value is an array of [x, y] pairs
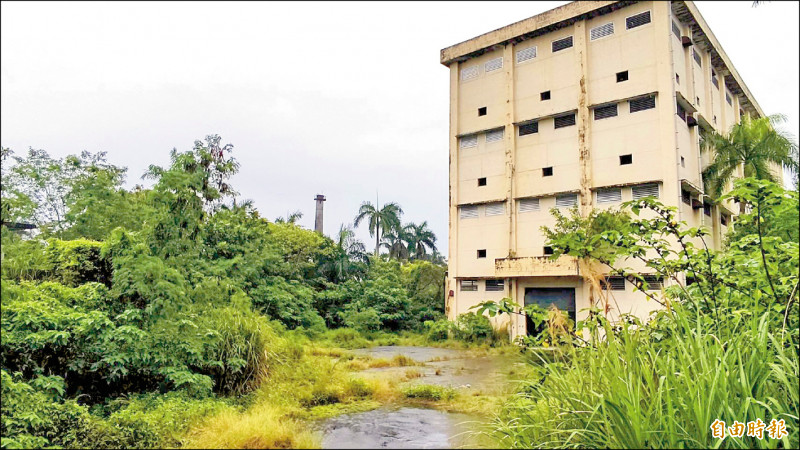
{"points": [[723, 220], [469, 285], [528, 128], [642, 103], [526, 54], [624, 160], [728, 99], [469, 141], [683, 162], [481, 181], [528, 205], [482, 111], [614, 284], [644, 190], [562, 44], [544, 96], [468, 211], [622, 76], [482, 253], [547, 171], [495, 209], [637, 20], [494, 135], [707, 209], [686, 197], [609, 195], [565, 121], [493, 64], [495, 285], [548, 250], [604, 112], [602, 31], [676, 30], [681, 112], [469, 73], [696, 57], [714, 79], [654, 282], [566, 200]]}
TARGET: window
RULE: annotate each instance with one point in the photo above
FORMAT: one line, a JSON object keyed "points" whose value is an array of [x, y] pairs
{"points": [[644, 190], [526, 54], [494, 135], [547, 171], [728, 99], [637, 20], [566, 200], [469, 285], [697, 101], [528, 205], [495, 209], [624, 160], [493, 64], [482, 111], [469, 141], [609, 195], [544, 95], [604, 112], [562, 44], [714, 79], [681, 112], [614, 284], [686, 197], [707, 209], [469, 73], [602, 31], [548, 250], [468, 212], [565, 121], [528, 128], [642, 103], [622, 76], [495, 285], [481, 181], [677, 78], [654, 282], [696, 57], [723, 220], [676, 30], [482, 253], [683, 162]]}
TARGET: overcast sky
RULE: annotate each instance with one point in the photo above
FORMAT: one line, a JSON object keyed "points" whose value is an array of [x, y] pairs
{"points": [[342, 99]]}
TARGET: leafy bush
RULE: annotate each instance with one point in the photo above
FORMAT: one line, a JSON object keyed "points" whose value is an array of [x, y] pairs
{"points": [[438, 330], [76, 262], [471, 327], [429, 392]]}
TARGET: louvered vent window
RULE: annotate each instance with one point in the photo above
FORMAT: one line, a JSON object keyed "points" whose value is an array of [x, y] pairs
{"points": [[714, 80], [566, 200], [562, 44], [614, 284], [494, 135], [526, 54], [642, 103], [494, 64], [604, 112], [609, 195], [654, 282], [469, 73], [495, 209], [637, 20], [602, 31], [495, 285], [697, 58], [469, 285], [469, 141], [564, 121], [528, 205], [468, 211], [728, 99], [676, 30], [644, 190], [529, 128]]}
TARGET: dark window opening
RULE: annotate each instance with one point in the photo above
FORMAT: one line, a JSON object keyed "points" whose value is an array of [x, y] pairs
{"points": [[529, 128], [677, 78], [481, 181], [681, 112], [622, 76], [562, 44], [495, 285], [625, 160], [604, 112], [482, 253], [545, 95], [707, 209], [564, 121], [686, 197], [548, 250], [698, 100], [547, 171], [482, 111], [683, 162], [637, 20], [642, 103], [723, 220]]}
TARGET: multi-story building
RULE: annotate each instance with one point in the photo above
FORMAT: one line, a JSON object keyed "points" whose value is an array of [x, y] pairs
{"points": [[589, 104]]}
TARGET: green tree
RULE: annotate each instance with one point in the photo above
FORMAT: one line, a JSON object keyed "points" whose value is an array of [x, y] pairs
{"points": [[379, 220], [419, 237], [290, 218], [753, 144], [394, 240]]}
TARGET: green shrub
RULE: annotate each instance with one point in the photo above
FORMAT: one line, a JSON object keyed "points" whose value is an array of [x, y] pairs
{"points": [[429, 392], [76, 262], [438, 330], [364, 321], [473, 327]]}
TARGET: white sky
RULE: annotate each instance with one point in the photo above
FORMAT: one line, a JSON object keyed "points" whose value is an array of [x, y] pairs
{"points": [[343, 99]]}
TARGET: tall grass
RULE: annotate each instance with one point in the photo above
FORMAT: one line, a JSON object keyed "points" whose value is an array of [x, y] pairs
{"points": [[635, 390]]}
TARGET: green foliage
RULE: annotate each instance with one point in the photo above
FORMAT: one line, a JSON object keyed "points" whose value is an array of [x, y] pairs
{"points": [[473, 327], [429, 392], [76, 262]]}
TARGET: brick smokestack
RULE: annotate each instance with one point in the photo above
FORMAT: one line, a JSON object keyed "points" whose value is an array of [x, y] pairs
{"points": [[318, 218]]}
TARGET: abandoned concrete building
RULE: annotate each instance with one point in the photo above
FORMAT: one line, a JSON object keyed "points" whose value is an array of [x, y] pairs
{"points": [[588, 104]]}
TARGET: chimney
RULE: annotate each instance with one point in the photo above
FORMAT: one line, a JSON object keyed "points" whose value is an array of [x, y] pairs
{"points": [[318, 218]]}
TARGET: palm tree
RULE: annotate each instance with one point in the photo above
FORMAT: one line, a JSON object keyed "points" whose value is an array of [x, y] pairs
{"points": [[419, 237], [350, 259], [290, 218], [379, 220], [754, 144], [394, 241]]}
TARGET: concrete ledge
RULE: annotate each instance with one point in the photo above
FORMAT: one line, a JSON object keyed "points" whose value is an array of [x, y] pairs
{"points": [[533, 266]]}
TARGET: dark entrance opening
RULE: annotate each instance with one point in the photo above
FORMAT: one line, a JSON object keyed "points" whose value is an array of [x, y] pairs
{"points": [[562, 298]]}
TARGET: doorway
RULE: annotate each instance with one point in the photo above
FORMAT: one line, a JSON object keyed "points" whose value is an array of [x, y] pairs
{"points": [[562, 298]]}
